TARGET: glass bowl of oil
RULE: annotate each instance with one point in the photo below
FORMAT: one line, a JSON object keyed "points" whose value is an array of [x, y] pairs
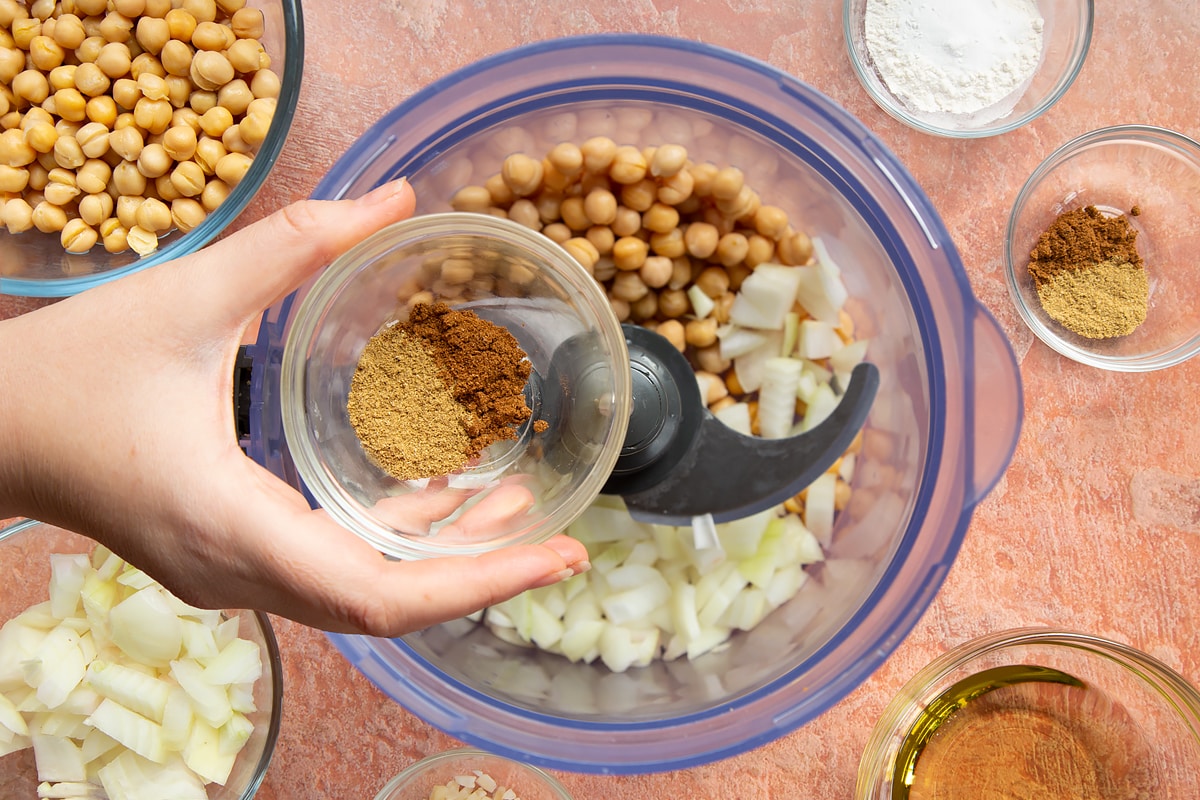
{"points": [[1037, 714]]}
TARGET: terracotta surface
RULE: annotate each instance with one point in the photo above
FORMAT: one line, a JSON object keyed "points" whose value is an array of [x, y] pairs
{"points": [[1096, 525]]}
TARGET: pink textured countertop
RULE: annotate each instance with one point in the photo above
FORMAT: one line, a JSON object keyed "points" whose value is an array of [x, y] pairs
{"points": [[1096, 524]]}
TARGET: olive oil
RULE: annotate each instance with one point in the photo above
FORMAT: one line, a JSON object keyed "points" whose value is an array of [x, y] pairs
{"points": [[1021, 733]]}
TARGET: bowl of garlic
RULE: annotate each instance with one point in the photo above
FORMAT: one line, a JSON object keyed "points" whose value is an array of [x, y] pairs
{"points": [[466, 773], [136, 132], [775, 244], [112, 687]]}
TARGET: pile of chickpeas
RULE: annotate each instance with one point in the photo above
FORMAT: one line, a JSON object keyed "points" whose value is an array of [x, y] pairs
{"points": [[121, 120], [650, 223]]}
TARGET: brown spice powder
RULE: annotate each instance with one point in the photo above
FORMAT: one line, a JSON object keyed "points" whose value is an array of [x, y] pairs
{"points": [[1080, 239], [430, 394]]}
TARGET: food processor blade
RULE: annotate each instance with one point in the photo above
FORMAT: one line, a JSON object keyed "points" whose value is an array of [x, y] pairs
{"points": [[680, 462]]}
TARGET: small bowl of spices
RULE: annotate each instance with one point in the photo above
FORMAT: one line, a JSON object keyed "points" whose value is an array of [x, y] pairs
{"points": [[453, 384], [470, 774], [967, 68], [1037, 713], [1100, 249]]}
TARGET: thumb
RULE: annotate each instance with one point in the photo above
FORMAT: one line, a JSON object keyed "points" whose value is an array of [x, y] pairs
{"points": [[255, 267]]}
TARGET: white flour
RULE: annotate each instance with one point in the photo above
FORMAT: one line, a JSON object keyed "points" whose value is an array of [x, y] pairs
{"points": [[956, 57]]}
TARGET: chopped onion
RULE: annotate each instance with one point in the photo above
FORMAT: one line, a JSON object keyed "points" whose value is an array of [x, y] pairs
{"points": [[765, 297]]}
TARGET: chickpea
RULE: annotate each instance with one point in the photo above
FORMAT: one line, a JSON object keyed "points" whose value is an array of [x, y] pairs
{"points": [[187, 213], [69, 32], [62, 77], [153, 116], [78, 237], [673, 303], [201, 102], [165, 190], [620, 308], [17, 215], [628, 165], [41, 136], [627, 223], [724, 304], [47, 217], [660, 218], [681, 272], [102, 110], [209, 153], [524, 212], [24, 31], [600, 207], [152, 33], [128, 180], [574, 216], [522, 174], [236, 96], [737, 274], [727, 183], [95, 208], [176, 58], [629, 254], [114, 61], [701, 239], [45, 53], [70, 105], [567, 159], [701, 332], [245, 54], [31, 86], [602, 238], [732, 249], [265, 83], [247, 23], [181, 24], [216, 121], [39, 176], [759, 250], [668, 160], [185, 118], [628, 286], [215, 192], [93, 176], [669, 244], [471, 198], [639, 195], [713, 281], [709, 359], [13, 179], [795, 249], [12, 62], [549, 207], [153, 215], [598, 154], [127, 207], [145, 63], [770, 221], [582, 251], [179, 91], [656, 271], [141, 241], [557, 232], [676, 190], [115, 240], [211, 70], [126, 142], [672, 331], [233, 167], [67, 152], [644, 308]]}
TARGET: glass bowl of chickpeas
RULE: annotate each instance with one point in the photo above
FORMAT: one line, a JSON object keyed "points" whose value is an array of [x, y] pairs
{"points": [[678, 176], [133, 132]]}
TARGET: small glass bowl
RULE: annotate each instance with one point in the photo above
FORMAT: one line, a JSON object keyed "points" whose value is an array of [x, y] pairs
{"points": [[527, 781], [34, 263], [1124, 723], [1066, 36], [579, 385], [1115, 169], [25, 549]]}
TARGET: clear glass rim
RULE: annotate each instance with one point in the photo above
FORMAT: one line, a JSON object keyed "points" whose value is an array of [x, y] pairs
{"points": [[1177, 354], [929, 681], [274, 658], [241, 195], [888, 103], [327, 491], [448, 756]]}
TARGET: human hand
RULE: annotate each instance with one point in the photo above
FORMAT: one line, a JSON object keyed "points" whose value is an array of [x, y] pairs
{"points": [[116, 421]]}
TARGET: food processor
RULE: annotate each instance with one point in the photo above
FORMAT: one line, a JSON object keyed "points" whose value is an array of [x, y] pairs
{"points": [[938, 432]]}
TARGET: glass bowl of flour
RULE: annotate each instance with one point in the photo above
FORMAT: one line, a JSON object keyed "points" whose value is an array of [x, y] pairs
{"points": [[967, 68]]}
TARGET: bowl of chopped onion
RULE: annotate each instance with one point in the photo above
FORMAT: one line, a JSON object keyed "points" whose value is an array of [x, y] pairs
{"points": [[466, 773], [138, 133], [776, 244], [112, 687]]}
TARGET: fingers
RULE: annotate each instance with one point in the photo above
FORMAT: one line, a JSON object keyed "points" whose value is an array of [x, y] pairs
{"points": [[498, 510], [261, 263]]}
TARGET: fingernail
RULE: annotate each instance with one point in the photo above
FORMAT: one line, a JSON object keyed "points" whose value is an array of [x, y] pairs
{"points": [[553, 578], [382, 194]]}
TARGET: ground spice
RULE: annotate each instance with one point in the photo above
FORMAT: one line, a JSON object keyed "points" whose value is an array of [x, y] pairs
{"points": [[1106, 300], [430, 394], [1088, 274]]}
